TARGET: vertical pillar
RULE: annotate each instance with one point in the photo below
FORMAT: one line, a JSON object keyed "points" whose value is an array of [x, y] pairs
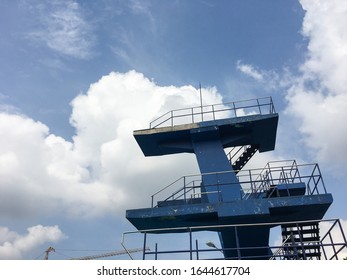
{"points": [[219, 182]]}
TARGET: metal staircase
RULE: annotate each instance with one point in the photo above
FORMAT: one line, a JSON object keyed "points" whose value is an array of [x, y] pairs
{"points": [[301, 241], [244, 154]]}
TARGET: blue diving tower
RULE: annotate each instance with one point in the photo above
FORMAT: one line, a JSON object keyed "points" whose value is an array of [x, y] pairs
{"points": [[224, 137]]}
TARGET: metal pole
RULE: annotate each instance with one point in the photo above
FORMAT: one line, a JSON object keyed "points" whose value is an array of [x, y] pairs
{"points": [[156, 251], [202, 114], [237, 244], [197, 249], [144, 246], [191, 243]]}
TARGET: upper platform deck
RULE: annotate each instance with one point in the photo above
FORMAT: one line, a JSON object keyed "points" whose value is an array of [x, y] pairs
{"points": [[238, 123]]}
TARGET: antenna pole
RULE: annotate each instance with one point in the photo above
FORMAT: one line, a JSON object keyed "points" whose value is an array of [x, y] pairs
{"points": [[202, 115]]}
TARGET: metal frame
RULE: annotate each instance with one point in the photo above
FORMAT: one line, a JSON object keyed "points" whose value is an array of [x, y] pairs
{"points": [[293, 250]]}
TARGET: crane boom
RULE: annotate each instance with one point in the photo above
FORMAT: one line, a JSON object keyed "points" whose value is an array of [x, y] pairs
{"points": [[49, 249], [110, 254]]}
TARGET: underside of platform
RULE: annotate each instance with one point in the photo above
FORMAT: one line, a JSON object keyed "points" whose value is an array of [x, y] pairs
{"points": [[247, 130]]}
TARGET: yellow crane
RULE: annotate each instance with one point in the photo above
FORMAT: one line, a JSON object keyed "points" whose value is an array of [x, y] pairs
{"points": [[99, 256], [49, 249]]}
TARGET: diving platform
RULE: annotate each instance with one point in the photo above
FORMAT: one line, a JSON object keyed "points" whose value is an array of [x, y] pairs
{"points": [[236, 127], [225, 192], [281, 192]]}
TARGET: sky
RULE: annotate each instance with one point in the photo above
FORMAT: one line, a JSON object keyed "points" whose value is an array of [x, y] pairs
{"points": [[78, 77]]}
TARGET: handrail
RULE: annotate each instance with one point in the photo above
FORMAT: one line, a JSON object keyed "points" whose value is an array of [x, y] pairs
{"points": [[276, 253], [211, 112], [252, 181]]}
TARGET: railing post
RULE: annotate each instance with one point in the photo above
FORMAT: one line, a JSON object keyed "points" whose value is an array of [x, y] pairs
{"points": [[293, 244], [237, 244], [320, 175], [259, 106], [156, 251], [323, 248], [184, 189], [333, 246], [197, 249], [299, 228], [250, 179], [342, 232], [172, 122], [144, 247], [190, 244], [272, 107]]}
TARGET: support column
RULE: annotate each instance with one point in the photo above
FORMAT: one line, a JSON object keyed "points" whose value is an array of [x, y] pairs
{"points": [[222, 185]]}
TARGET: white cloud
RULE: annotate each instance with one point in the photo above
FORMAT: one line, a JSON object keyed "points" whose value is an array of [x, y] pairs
{"points": [[64, 29], [268, 79], [249, 70], [102, 171], [324, 25], [318, 97], [16, 246]]}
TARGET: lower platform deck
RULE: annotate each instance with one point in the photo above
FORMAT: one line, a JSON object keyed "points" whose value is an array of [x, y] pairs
{"points": [[265, 210]]}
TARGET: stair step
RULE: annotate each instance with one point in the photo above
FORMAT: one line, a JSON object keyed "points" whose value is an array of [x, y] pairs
{"points": [[307, 239], [309, 255], [301, 225], [304, 239], [300, 255], [302, 232], [244, 157], [299, 247]]}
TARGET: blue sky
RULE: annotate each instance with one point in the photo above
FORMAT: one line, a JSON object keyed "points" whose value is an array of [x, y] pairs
{"points": [[77, 77]]}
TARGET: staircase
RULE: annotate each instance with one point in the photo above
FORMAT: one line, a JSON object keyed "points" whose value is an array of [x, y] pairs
{"points": [[244, 154], [301, 241]]}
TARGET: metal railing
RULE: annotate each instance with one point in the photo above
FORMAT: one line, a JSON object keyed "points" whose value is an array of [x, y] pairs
{"points": [[253, 183], [259, 106], [335, 248], [333, 245]]}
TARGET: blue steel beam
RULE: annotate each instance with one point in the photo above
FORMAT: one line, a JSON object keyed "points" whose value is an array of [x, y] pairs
{"points": [[211, 158]]}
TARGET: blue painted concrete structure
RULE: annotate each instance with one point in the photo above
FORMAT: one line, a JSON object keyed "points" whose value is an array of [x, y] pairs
{"points": [[221, 198]]}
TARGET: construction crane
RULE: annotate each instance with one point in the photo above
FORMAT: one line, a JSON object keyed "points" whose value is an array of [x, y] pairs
{"points": [[49, 249], [99, 256], [110, 254]]}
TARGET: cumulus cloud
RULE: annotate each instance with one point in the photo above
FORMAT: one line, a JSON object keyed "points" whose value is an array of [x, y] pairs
{"points": [[102, 170], [38, 172], [105, 119], [14, 245], [63, 28], [318, 96]]}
